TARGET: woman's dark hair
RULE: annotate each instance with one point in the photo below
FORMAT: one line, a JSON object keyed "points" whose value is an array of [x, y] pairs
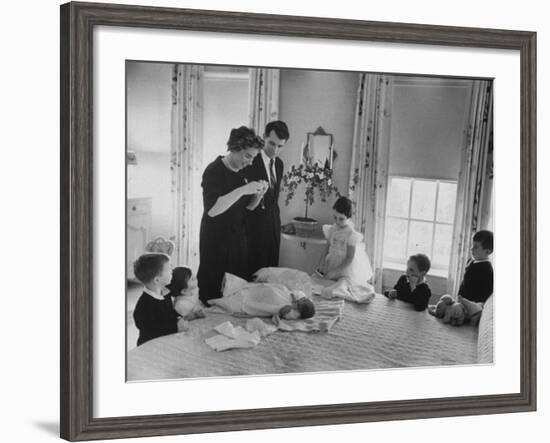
{"points": [[180, 280], [485, 238], [343, 206], [148, 266], [422, 261], [242, 138], [280, 128]]}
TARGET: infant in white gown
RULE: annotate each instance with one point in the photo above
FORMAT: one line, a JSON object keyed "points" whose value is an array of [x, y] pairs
{"points": [[244, 299]]}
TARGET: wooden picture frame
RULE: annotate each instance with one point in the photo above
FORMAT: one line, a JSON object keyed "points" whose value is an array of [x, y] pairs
{"points": [[77, 23]]}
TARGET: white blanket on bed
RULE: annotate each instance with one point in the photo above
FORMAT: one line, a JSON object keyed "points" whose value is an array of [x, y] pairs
{"points": [[380, 334]]}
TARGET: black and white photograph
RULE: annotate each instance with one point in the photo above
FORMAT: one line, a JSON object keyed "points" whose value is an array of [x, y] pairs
{"points": [[287, 220]]}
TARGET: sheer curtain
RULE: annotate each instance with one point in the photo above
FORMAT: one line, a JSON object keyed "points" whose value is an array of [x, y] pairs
{"points": [[369, 164], [264, 97], [185, 163], [475, 181]]}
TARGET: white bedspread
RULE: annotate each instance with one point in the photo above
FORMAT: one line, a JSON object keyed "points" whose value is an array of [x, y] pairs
{"points": [[382, 334]]}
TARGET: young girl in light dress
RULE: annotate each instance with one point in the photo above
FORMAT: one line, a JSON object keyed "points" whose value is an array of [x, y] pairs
{"points": [[345, 260]]}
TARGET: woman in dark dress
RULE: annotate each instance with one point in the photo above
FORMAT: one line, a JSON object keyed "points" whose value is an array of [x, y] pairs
{"points": [[226, 197]]}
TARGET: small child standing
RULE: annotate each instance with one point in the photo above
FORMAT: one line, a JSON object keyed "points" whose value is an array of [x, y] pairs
{"points": [[412, 286], [154, 314], [477, 283], [345, 260]]}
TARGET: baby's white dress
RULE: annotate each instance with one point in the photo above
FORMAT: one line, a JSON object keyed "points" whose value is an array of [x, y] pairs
{"points": [[354, 283]]}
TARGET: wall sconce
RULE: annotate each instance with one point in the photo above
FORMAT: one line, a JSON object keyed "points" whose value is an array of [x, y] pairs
{"points": [[131, 158]]}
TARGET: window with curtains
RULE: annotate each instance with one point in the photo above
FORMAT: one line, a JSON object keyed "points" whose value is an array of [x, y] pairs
{"points": [[419, 219]]}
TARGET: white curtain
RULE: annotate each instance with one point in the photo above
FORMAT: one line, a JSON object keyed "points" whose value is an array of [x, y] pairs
{"points": [[264, 97], [369, 164], [185, 163], [475, 181]]}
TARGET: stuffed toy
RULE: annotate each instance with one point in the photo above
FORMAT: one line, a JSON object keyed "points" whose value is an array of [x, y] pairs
{"points": [[185, 293], [457, 312], [450, 311]]}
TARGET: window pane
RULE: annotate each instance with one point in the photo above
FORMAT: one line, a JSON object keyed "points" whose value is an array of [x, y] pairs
{"points": [[423, 200], [395, 240], [420, 238], [446, 202], [442, 246], [398, 197]]}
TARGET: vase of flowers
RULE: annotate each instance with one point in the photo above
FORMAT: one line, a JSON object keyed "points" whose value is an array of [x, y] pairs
{"points": [[315, 178]]}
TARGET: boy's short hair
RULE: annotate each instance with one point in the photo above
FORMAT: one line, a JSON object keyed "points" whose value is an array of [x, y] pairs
{"points": [[148, 266], [280, 128], [343, 206], [422, 261], [305, 307], [485, 238]]}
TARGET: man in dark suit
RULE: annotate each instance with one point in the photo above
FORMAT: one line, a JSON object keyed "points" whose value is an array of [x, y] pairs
{"points": [[264, 222]]}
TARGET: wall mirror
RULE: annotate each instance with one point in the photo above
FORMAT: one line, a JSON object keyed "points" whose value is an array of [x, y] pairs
{"points": [[318, 148]]}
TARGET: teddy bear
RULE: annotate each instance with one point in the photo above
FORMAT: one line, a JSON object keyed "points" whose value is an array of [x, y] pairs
{"points": [[457, 312], [450, 311]]}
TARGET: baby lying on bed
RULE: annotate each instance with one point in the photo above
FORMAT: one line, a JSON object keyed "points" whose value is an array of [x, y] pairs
{"points": [[244, 299]]}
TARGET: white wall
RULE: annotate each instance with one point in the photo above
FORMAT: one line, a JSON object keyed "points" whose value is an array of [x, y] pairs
{"points": [[225, 106], [30, 348], [149, 106], [149, 89], [309, 99]]}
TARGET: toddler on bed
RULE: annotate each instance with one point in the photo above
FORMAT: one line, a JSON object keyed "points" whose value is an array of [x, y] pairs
{"points": [[154, 314], [412, 286], [184, 292], [345, 259], [477, 283]]}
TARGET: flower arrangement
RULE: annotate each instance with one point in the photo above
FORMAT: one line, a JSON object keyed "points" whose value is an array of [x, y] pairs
{"points": [[314, 177]]}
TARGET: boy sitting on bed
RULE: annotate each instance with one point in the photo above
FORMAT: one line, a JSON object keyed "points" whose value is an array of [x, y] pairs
{"points": [[477, 283], [154, 314], [412, 287]]}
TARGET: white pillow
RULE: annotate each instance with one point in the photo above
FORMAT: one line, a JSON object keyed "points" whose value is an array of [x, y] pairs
{"points": [[291, 278]]}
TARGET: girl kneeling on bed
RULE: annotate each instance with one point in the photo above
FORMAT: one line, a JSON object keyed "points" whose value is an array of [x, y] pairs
{"points": [[345, 259], [244, 299]]}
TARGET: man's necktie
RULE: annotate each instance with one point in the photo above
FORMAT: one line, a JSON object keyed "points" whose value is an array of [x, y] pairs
{"points": [[272, 178]]}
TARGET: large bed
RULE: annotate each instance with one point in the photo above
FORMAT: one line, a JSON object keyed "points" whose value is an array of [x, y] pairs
{"points": [[382, 334]]}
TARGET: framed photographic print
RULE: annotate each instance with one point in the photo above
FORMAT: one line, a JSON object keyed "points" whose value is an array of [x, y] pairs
{"points": [[273, 221]]}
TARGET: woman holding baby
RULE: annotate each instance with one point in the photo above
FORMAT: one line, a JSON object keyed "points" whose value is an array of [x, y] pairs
{"points": [[226, 196]]}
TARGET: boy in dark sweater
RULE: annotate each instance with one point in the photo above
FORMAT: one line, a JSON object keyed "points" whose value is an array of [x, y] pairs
{"points": [[154, 314], [412, 287], [477, 283]]}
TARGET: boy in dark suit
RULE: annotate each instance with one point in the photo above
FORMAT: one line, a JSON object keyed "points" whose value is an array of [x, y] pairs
{"points": [[154, 313], [477, 283], [264, 222]]}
